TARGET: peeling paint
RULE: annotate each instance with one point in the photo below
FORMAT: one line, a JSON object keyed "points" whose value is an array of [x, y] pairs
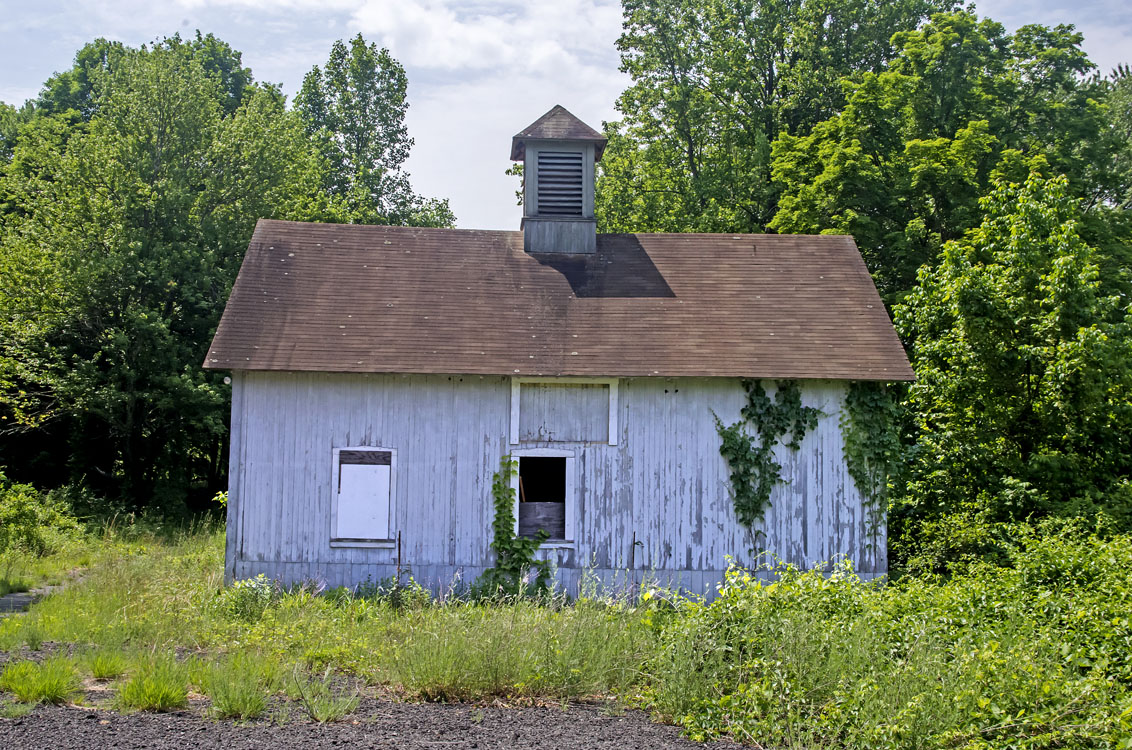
{"points": [[664, 483]]}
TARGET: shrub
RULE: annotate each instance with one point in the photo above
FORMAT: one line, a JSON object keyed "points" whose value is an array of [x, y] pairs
{"points": [[1033, 655], [54, 681], [158, 684], [31, 521], [248, 599]]}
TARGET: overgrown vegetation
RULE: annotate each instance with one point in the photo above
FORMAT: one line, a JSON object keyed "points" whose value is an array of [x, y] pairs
{"points": [[870, 431], [40, 539], [754, 469], [153, 596], [1033, 653], [516, 571]]}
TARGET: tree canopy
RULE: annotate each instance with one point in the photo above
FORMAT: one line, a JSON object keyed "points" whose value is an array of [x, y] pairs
{"points": [[903, 165], [714, 83], [128, 192], [1023, 399], [355, 106]]}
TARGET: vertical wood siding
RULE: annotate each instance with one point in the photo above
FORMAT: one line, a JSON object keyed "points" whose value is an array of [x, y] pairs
{"points": [[552, 412], [664, 484]]}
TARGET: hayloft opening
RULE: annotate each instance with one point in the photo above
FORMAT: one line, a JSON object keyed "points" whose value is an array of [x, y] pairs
{"points": [[542, 496]]}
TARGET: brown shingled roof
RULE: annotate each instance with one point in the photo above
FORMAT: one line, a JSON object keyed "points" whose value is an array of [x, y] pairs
{"points": [[557, 124], [349, 298]]}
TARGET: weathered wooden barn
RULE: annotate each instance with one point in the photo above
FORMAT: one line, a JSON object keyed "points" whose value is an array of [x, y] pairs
{"points": [[379, 374]]}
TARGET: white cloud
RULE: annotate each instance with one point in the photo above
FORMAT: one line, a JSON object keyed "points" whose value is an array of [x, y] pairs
{"points": [[487, 72], [1105, 24], [515, 37]]}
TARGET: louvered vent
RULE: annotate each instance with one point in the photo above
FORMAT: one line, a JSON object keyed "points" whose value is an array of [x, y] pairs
{"points": [[559, 183]]}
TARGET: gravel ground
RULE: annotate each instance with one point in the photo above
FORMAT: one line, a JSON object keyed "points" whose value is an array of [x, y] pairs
{"points": [[376, 724]]}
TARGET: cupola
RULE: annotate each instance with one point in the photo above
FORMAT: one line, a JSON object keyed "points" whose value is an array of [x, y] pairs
{"points": [[558, 152]]}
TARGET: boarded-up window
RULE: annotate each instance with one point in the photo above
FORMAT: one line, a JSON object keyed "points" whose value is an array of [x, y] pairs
{"points": [[363, 492], [563, 413]]}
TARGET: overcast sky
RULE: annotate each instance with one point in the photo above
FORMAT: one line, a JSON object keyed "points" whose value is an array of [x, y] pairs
{"points": [[478, 71]]}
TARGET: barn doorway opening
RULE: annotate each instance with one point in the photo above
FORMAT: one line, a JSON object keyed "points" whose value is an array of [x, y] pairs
{"points": [[542, 496]]}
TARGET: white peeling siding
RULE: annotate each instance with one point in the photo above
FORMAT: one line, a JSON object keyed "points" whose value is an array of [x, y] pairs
{"points": [[550, 412], [664, 481]]}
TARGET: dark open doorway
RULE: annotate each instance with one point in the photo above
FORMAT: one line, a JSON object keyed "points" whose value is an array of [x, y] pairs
{"points": [[542, 496]]}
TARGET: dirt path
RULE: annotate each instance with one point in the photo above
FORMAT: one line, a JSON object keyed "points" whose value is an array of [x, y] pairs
{"points": [[19, 601], [376, 724]]}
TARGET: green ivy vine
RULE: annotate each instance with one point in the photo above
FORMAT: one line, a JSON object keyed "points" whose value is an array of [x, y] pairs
{"points": [[872, 443], [748, 445], [514, 555]]}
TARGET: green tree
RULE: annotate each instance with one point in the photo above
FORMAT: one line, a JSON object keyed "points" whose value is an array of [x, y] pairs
{"points": [[902, 166], [714, 82], [74, 89], [1023, 399], [121, 243], [1120, 121], [9, 128], [355, 107], [77, 89]]}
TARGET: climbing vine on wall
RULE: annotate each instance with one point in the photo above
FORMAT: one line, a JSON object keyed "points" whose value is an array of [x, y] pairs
{"points": [[872, 444], [748, 445], [516, 570]]}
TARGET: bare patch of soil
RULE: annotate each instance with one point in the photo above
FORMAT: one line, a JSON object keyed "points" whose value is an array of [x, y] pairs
{"points": [[375, 724]]}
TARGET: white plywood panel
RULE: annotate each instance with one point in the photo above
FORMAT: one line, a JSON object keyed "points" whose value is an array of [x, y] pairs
{"points": [[363, 502]]}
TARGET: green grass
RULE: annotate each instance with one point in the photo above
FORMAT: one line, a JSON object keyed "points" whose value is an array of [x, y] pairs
{"points": [[13, 585], [53, 681], [15, 710], [523, 649], [1034, 655], [160, 596], [155, 684], [21, 570], [106, 665], [239, 686], [319, 698]]}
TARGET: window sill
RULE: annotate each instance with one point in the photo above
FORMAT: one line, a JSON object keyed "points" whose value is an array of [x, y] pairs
{"points": [[557, 544], [370, 543]]}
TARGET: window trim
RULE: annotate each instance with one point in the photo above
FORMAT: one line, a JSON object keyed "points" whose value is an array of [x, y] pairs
{"points": [[335, 476], [571, 496], [518, 382]]}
